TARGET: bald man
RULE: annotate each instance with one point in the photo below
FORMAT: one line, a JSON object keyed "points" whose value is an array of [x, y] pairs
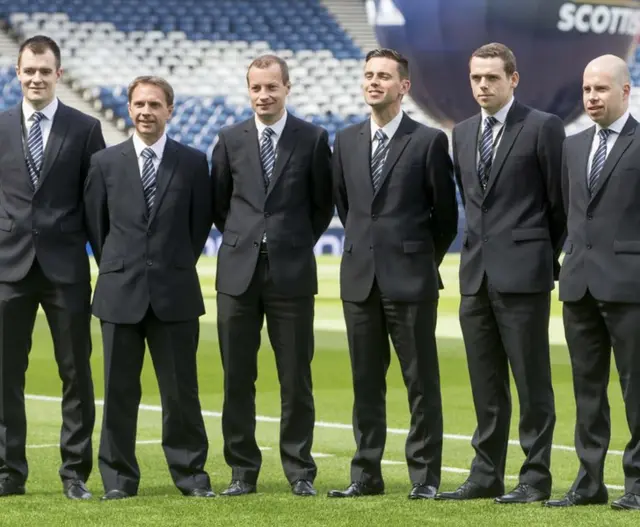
{"points": [[600, 278]]}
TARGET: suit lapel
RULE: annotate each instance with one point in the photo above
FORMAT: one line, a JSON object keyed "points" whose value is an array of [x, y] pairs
{"points": [[15, 138], [468, 153], [58, 132], [131, 171], [362, 158], [253, 158], [512, 127], [286, 145], [165, 172], [622, 143], [398, 143], [584, 149]]}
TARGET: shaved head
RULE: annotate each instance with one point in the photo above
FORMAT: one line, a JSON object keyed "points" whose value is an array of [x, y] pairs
{"points": [[606, 86]]}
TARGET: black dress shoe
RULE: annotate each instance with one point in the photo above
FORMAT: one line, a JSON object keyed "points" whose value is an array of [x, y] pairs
{"points": [[75, 489], [200, 493], [573, 499], [116, 494], [303, 487], [469, 490], [627, 502], [523, 493], [238, 488], [357, 489], [422, 491], [10, 487]]}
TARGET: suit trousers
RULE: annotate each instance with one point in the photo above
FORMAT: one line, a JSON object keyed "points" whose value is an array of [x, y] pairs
{"points": [[172, 346], [502, 330], [592, 328], [290, 329], [67, 309], [411, 326]]}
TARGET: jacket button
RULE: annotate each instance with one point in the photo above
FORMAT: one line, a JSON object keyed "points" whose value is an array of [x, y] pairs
{"points": [[374, 217], [485, 209], [35, 232], [255, 244], [589, 246], [149, 263], [485, 239], [267, 214], [371, 247], [589, 216], [149, 232]]}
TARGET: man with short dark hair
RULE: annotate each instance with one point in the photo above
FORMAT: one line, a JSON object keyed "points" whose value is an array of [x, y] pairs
{"points": [[45, 147], [272, 201], [148, 214], [396, 198], [507, 162]]}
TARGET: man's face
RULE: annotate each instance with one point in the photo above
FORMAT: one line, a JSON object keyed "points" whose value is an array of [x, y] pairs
{"points": [[38, 76], [149, 111], [604, 97], [492, 87], [382, 85], [268, 92]]}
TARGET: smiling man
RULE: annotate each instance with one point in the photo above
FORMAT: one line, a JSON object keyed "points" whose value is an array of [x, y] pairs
{"points": [[272, 201], [148, 215], [396, 198], [45, 147], [507, 162]]}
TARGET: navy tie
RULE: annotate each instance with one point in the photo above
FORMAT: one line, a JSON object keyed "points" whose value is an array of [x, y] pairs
{"points": [[148, 177], [486, 151], [267, 155], [35, 146], [599, 158], [378, 158]]}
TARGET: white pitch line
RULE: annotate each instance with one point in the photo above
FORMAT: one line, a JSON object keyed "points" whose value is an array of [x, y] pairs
{"points": [[335, 426]]}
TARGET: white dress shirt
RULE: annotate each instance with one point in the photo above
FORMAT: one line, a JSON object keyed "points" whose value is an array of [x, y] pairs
{"points": [[497, 131], [48, 111], [616, 127], [158, 147], [277, 127], [389, 129]]}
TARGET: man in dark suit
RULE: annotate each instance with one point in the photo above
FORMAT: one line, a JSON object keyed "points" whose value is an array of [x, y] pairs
{"points": [[45, 147], [148, 216], [600, 281], [272, 200], [507, 162], [396, 198]]}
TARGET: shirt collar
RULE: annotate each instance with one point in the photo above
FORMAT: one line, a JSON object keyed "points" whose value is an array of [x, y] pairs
{"points": [[48, 111], [617, 125], [157, 147], [390, 128], [501, 114], [277, 127]]}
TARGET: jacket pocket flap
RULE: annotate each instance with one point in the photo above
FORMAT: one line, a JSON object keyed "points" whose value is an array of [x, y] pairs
{"points": [[230, 238], [417, 246], [626, 246], [72, 224], [109, 266], [347, 245], [523, 235], [6, 224]]}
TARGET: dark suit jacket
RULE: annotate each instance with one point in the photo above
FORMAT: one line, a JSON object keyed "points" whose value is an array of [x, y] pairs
{"points": [[514, 229], [294, 211], [603, 243], [399, 234], [46, 224], [148, 259]]}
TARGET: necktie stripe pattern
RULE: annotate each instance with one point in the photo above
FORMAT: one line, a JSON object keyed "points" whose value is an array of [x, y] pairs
{"points": [[600, 156], [486, 151], [378, 158], [149, 177], [267, 155], [35, 146]]}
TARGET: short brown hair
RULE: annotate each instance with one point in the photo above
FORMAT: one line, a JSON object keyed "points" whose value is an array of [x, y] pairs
{"points": [[39, 45], [264, 61], [500, 51], [386, 53], [155, 81]]}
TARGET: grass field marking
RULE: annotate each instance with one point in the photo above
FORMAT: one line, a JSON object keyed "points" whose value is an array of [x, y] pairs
{"points": [[321, 424]]}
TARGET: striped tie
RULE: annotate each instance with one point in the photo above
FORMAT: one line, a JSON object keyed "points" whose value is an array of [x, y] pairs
{"points": [[267, 155], [486, 151], [35, 146], [598, 159], [378, 158], [148, 177]]}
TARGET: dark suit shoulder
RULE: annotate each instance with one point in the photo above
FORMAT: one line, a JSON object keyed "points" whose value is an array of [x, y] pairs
{"points": [[111, 152], [235, 129], [190, 151], [76, 115], [305, 126]]}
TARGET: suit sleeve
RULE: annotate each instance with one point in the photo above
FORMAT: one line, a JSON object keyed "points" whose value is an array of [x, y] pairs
{"points": [[550, 141], [339, 186], [96, 210], [456, 167], [322, 199], [442, 195], [95, 142], [565, 179], [221, 183], [200, 214]]}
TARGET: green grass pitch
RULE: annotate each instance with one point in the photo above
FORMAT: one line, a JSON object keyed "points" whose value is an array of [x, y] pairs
{"points": [[159, 503]]}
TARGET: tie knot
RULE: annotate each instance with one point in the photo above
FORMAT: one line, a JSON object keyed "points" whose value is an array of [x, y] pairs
{"points": [[148, 153], [37, 117], [604, 133], [268, 132], [380, 135], [490, 121]]}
